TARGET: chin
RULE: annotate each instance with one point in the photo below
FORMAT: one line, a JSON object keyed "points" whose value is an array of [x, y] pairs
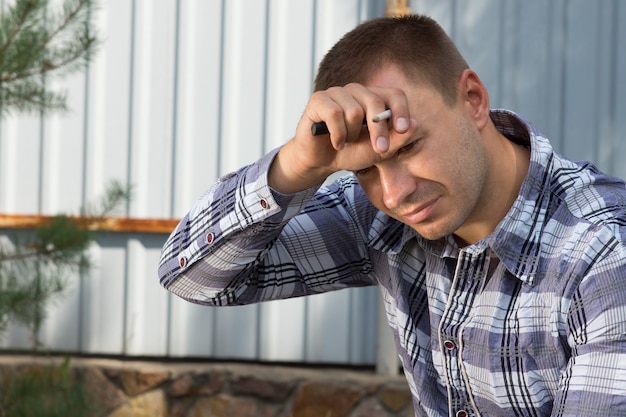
{"points": [[434, 231], [429, 234]]}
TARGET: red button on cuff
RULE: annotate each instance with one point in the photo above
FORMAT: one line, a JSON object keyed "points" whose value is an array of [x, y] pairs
{"points": [[264, 204], [449, 344], [461, 413], [182, 261], [210, 238]]}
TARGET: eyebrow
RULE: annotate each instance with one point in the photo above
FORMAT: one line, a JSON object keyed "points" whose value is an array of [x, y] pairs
{"points": [[413, 138]]}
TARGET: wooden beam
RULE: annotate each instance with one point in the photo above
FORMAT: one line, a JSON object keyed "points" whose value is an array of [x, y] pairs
{"points": [[397, 8], [107, 224]]}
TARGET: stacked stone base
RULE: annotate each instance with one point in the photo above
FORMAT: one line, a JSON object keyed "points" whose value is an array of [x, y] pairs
{"points": [[149, 389]]}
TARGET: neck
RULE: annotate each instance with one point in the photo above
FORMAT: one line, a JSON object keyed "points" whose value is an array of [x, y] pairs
{"points": [[509, 164]]}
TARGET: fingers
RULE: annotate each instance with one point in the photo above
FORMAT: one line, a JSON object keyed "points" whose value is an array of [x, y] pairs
{"points": [[353, 139], [337, 113], [343, 112], [397, 104]]}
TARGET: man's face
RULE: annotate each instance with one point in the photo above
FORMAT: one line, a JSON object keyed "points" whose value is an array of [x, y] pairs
{"points": [[434, 180]]}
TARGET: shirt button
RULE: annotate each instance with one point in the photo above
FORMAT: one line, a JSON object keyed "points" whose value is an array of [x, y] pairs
{"points": [[449, 344], [461, 413], [210, 237], [182, 261], [264, 203]]}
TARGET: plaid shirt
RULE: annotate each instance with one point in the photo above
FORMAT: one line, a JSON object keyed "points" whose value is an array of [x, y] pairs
{"points": [[530, 321]]}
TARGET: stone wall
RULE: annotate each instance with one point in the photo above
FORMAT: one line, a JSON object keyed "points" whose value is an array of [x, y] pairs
{"points": [[149, 389]]}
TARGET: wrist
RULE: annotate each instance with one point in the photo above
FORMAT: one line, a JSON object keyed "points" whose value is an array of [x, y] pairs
{"points": [[287, 176]]}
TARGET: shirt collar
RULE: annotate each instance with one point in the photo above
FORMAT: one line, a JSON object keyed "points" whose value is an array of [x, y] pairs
{"points": [[517, 239]]}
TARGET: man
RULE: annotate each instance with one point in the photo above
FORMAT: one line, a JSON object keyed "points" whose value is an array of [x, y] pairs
{"points": [[501, 264]]}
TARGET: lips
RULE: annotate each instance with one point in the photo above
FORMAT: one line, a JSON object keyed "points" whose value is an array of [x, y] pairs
{"points": [[419, 214]]}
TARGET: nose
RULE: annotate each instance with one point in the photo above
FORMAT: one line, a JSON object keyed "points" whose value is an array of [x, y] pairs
{"points": [[396, 185]]}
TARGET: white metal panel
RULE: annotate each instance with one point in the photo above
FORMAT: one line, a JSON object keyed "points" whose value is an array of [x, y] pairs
{"points": [[244, 66], [147, 304], [191, 329], [103, 315], [333, 19], [109, 96], [290, 68], [618, 94], [16, 336], [581, 87], [554, 83], [63, 147], [20, 146], [282, 331], [152, 106], [441, 10], [607, 81], [477, 33], [76, 146], [237, 332], [363, 330], [525, 49], [198, 102], [103, 309], [328, 327], [61, 328]]}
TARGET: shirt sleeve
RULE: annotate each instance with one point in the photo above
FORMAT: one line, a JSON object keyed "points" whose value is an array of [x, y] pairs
{"points": [[594, 381], [243, 242]]}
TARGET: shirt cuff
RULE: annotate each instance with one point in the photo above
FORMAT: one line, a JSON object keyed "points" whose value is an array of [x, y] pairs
{"points": [[262, 203]]}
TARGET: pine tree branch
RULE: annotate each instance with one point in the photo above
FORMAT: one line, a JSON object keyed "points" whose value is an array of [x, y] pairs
{"points": [[25, 303], [20, 52], [35, 42], [69, 18], [30, 7], [47, 65], [26, 94]]}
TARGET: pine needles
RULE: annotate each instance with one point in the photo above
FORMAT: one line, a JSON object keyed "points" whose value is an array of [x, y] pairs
{"points": [[34, 268], [37, 43]]}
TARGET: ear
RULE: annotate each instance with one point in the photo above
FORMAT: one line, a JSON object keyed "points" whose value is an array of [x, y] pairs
{"points": [[474, 97]]}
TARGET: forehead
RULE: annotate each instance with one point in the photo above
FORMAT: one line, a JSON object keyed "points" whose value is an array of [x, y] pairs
{"points": [[392, 75], [417, 90]]}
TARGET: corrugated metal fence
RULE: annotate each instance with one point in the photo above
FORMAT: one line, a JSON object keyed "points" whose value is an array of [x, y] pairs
{"points": [[185, 90]]}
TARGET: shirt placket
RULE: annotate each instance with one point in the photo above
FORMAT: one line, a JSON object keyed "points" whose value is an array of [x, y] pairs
{"points": [[468, 280]]}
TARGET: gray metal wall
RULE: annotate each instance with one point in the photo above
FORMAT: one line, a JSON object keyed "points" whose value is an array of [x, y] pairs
{"points": [[183, 91]]}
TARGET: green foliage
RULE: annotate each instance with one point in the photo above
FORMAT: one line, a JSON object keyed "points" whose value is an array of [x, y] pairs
{"points": [[44, 392], [36, 41], [33, 272]]}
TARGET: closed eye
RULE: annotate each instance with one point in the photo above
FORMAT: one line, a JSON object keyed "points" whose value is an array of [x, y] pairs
{"points": [[362, 171], [406, 147]]}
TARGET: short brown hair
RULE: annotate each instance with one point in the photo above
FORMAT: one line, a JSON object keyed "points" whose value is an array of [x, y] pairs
{"points": [[416, 43]]}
